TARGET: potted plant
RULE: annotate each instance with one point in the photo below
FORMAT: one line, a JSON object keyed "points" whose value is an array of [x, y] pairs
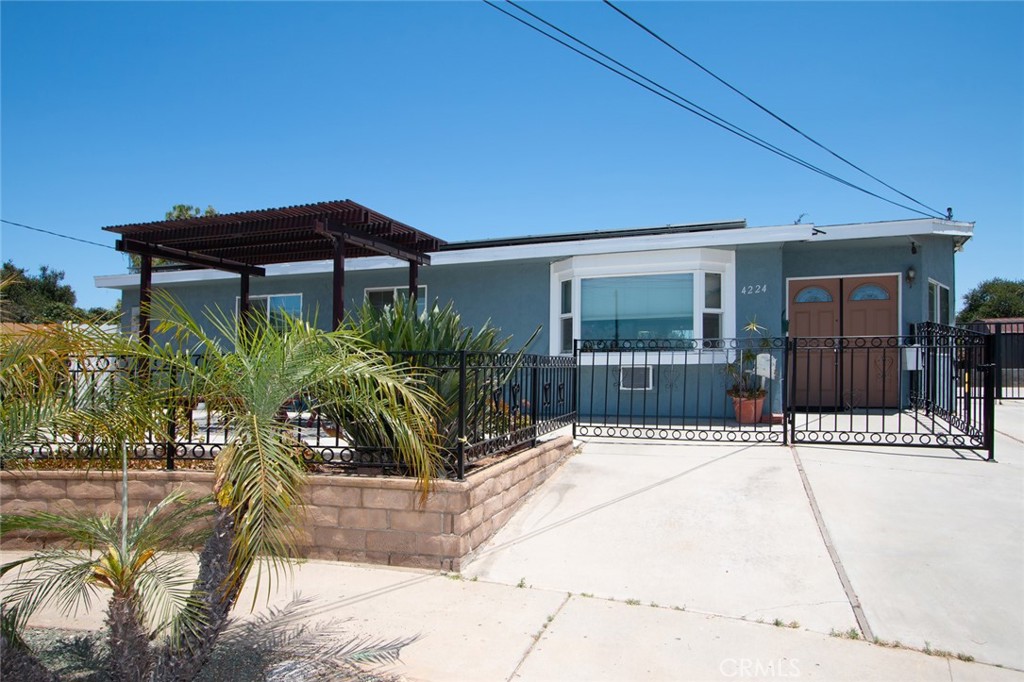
{"points": [[746, 388]]}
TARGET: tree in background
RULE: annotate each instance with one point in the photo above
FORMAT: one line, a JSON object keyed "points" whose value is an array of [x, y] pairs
{"points": [[183, 211], [995, 297], [42, 298]]}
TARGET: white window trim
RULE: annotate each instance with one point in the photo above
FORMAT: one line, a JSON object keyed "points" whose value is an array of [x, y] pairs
{"points": [[421, 292], [938, 302], [668, 262], [648, 381], [253, 297]]}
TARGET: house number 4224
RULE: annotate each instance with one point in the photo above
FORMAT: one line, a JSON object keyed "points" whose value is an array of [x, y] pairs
{"points": [[754, 289]]}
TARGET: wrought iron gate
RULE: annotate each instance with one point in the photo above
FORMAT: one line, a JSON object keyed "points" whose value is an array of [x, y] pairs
{"points": [[932, 388]]}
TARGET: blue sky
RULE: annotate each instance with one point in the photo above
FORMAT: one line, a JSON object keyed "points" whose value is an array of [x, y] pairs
{"points": [[457, 120]]}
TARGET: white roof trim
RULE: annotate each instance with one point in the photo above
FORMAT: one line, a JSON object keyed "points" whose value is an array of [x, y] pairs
{"points": [[684, 240]]}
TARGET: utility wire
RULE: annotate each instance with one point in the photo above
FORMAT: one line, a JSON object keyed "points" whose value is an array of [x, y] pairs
{"points": [[725, 125], [704, 113], [764, 108], [56, 234]]}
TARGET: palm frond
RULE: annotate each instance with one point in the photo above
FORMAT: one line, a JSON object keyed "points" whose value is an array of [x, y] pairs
{"points": [[60, 577], [295, 645]]}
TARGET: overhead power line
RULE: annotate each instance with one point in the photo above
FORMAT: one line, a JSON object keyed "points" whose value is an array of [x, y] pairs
{"points": [[683, 102], [679, 101], [763, 108], [56, 234]]}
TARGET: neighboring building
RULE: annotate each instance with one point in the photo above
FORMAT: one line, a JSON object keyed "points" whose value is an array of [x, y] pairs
{"points": [[696, 281]]}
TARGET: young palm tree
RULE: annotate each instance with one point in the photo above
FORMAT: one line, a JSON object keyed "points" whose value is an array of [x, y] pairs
{"points": [[260, 469], [63, 386], [148, 583]]}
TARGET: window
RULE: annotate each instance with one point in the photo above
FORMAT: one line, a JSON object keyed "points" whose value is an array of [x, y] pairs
{"points": [[274, 307], [636, 378], [662, 295], [813, 295], [938, 302], [869, 292], [383, 297], [712, 306], [565, 315], [639, 307]]}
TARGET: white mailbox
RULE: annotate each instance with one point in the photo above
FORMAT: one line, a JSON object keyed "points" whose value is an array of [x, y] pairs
{"points": [[765, 366]]}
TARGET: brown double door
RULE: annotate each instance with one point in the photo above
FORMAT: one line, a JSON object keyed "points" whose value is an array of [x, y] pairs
{"points": [[848, 358]]}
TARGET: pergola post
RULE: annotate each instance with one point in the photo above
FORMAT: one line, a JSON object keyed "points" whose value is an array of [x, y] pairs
{"points": [[145, 297], [414, 277], [338, 283], [243, 297]]}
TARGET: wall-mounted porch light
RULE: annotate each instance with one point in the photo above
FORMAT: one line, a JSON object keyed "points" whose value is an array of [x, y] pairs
{"points": [[911, 276]]}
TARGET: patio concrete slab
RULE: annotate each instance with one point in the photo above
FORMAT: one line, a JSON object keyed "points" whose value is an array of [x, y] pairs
{"points": [[932, 541], [597, 640], [715, 529]]}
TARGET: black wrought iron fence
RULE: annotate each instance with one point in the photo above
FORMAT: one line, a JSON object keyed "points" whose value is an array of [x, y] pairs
{"points": [[682, 389], [926, 389], [930, 389], [491, 403], [1009, 356]]}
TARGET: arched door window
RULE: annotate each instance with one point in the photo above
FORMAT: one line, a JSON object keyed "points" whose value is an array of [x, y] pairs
{"points": [[869, 292], [813, 295]]}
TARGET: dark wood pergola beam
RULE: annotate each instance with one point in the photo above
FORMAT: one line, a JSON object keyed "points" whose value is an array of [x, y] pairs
{"points": [[381, 246], [189, 257]]}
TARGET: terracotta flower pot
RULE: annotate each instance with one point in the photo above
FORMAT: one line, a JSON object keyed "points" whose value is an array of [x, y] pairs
{"points": [[748, 410]]}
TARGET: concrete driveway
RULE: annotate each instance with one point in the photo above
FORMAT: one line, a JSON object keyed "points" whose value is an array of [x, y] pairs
{"points": [[931, 542]]}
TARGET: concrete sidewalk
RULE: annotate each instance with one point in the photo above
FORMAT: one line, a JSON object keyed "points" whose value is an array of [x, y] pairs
{"points": [[652, 561]]}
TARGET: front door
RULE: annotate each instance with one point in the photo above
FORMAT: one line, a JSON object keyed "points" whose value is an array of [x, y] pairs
{"points": [[862, 368], [814, 317]]}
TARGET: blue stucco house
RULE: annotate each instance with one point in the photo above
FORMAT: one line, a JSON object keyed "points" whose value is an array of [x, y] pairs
{"points": [[686, 283], [679, 281]]}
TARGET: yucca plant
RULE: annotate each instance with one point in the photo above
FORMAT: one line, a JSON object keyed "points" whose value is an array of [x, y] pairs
{"points": [[430, 342]]}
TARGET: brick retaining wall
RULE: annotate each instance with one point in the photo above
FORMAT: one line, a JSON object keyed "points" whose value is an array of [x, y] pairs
{"points": [[377, 520]]}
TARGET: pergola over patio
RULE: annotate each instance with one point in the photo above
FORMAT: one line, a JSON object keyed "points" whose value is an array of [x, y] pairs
{"points": [[244, 242]]}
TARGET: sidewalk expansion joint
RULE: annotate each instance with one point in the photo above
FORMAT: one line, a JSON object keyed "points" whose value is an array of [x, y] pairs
{"points": [[537, 637], [844, 579]]}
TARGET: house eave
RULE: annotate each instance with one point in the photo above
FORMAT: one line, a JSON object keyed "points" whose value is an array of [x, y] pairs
{"points": [[616, 243]]}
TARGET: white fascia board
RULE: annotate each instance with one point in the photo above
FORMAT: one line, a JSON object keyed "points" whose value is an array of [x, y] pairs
{"points": [[895, 228], [583, 247], [557, 250]]}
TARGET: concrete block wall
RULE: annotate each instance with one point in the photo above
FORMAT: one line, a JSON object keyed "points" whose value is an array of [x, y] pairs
{"points": [[377, 520]]}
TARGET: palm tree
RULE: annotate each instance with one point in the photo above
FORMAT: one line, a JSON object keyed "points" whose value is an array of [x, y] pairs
{"points": [[260, 470], [54, 390], [133, 559]]}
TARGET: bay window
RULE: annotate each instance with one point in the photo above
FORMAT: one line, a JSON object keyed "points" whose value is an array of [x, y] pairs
{"points": [[642, 296], [637, 307]]}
